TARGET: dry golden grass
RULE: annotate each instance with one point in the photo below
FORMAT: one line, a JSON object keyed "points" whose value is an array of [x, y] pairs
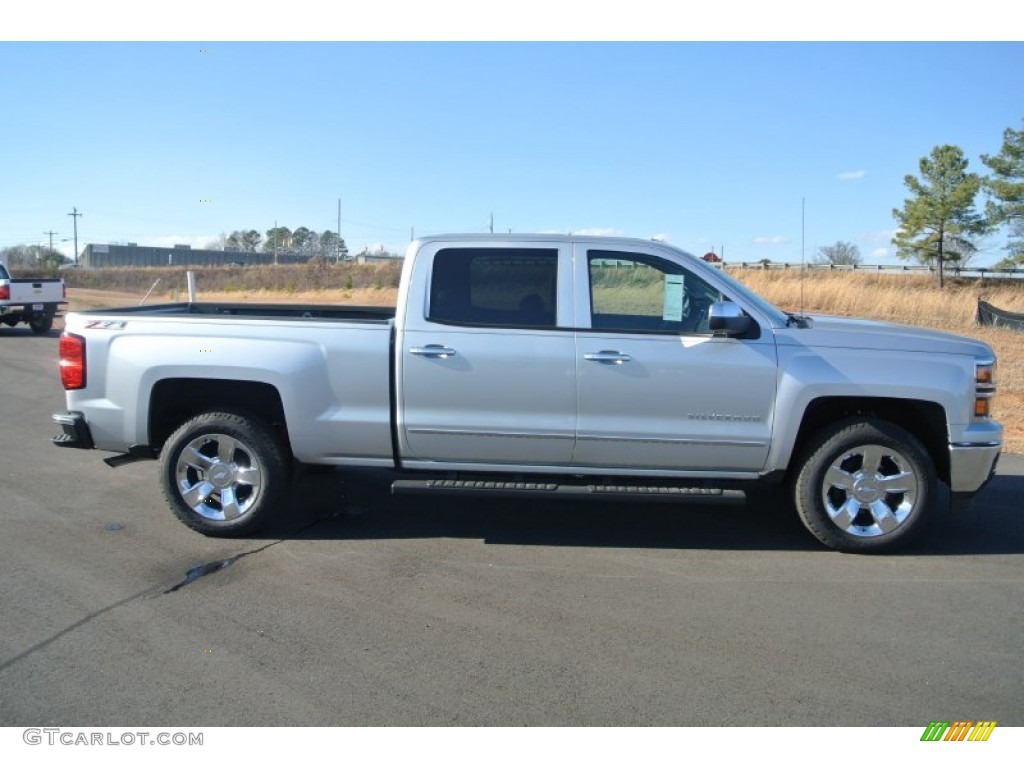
{"points": [[368, 297], [909, 299], [90, 298], [287, 279]]}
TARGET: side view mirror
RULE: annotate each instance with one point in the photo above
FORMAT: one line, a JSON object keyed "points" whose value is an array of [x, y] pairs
{"points": [[727, 319]]}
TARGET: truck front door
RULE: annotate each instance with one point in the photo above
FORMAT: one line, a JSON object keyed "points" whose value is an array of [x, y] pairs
{"points": [[656, 389]]}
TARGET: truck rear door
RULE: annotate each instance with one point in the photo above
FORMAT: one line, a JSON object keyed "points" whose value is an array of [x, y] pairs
{"points": [[486, 358]]}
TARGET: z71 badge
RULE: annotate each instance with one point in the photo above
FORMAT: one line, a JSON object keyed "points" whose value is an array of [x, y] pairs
{"points": [[106, 325]]}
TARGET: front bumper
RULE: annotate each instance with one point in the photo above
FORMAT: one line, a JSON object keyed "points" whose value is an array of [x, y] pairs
{"points": [[75, 430], [971, 465]]}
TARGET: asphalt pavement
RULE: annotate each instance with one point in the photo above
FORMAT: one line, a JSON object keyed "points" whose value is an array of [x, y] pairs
{"points": [[367, 609]]}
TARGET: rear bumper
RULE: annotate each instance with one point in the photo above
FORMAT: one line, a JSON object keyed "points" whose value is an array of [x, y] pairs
{"points": [[32, 308], [971, 465], [75, 432]]}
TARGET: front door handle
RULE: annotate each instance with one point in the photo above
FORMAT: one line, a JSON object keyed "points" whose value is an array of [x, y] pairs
{"points": [[434, 350], [608, 357]]}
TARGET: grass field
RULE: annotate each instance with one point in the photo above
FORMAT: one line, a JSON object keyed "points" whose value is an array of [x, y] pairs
{"points": [[909, 299]]}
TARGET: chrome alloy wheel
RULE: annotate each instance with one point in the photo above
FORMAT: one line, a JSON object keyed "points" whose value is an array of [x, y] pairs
{"points": [[870, 490], [218, 477]]}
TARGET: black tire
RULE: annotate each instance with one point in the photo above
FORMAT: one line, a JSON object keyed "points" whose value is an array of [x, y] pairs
{"points": [[225, 473], [865, 485], [41, 323]]}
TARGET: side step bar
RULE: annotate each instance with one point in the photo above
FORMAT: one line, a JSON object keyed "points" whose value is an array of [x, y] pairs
{"points": [[669, 493]]}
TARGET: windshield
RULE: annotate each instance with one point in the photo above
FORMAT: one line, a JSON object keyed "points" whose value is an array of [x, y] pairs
{"points": [[775, 315], [734, 288]]}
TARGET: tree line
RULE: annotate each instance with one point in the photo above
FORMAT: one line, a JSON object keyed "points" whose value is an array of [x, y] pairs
{"points": [[302, 240], [33, 257]]}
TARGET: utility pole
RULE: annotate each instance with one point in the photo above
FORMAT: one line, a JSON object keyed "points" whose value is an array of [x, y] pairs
{"points": [[337, 247], [492, 223], [75, 214], [51, 234]]}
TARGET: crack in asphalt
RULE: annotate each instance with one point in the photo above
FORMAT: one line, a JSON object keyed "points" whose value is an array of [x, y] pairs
{"points": [[192, 575]]}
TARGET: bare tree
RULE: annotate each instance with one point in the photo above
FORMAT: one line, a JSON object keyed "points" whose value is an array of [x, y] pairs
{"points": [[840, 253]]}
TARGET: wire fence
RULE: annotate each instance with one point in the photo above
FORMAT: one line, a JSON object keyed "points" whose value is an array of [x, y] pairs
{"points": [[979, 273]]}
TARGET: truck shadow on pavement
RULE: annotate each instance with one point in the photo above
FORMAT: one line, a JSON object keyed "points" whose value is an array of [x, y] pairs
{"points": [[7, 331], [347, 505]]}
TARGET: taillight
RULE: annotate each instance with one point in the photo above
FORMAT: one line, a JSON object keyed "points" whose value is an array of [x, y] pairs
{"points": [[72, 361], [5, 293]]}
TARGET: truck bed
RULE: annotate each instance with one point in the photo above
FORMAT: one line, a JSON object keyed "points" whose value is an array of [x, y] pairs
{"points": [[256, 311]]}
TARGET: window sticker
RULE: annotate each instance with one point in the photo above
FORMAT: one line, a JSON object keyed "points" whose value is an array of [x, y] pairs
{"points": [[673, 306]]}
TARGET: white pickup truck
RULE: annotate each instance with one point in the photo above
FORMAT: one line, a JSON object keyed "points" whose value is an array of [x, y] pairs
{"points": [[32, 300], [540, 365]]}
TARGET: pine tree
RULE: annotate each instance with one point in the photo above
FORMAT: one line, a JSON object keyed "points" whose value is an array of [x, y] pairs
{"points": [[939, 223], [1005, 191]]}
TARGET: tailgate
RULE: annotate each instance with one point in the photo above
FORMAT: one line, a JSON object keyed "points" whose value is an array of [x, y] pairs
{"points": [[37, 290]]}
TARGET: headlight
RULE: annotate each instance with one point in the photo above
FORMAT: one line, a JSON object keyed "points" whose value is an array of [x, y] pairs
{"points": [[984, 388]]}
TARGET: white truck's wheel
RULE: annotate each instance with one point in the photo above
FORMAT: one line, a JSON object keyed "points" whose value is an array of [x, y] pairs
{"points": [[865, 485], [41, 323], [223, 473]]}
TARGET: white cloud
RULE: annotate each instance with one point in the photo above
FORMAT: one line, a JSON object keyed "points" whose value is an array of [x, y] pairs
{"points": [[771, 240], [852, 175], [880, 253]]}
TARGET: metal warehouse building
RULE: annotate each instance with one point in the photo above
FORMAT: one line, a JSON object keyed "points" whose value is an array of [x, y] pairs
{"points": [[96, 255]]}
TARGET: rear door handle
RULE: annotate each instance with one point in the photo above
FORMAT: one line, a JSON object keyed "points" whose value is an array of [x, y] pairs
{"points": [[434, 350], [608, 357]]}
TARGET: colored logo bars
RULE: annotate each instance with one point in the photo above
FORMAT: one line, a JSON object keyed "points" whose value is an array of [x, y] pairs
{"points": [[961, 730]]}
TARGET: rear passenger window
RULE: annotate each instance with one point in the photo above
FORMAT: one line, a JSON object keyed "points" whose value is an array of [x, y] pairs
{"points": [[514, 287]]}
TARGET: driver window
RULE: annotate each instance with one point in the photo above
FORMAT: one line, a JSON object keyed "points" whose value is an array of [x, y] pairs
{"points": [[635, 292]]}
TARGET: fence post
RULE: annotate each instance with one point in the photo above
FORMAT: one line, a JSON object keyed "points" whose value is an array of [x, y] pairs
{"points": [[190, 278]]}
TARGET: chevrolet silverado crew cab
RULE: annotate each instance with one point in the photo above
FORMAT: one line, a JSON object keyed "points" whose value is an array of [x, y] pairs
{"points": [[32, 300], [540, 365]]}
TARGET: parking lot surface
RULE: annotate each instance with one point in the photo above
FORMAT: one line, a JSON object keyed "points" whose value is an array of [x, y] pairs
{"points": [[367, 609]]}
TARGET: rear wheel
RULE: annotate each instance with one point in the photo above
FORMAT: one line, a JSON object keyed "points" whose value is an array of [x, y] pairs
{"points": [[224, 473], [865, 485], [41, 323]]}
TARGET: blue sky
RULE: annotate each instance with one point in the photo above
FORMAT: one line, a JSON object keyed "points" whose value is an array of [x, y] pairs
{"points": [[709, 145]]}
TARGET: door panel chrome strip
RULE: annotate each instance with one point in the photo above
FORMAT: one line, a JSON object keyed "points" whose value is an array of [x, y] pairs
{"points": [[472, 433], [673, 441]]}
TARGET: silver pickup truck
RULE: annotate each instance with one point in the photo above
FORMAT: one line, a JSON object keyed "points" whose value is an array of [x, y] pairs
{"points": [[540, 365]]}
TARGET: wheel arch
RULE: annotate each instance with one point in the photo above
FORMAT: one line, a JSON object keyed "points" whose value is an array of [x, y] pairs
{"points": [[174, 401], [923, 419]]}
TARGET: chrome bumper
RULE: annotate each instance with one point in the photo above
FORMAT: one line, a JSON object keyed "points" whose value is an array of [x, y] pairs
{"points": [[971, 465]]}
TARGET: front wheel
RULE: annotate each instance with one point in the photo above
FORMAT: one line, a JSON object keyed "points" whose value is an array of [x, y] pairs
{"points": [[865, 485], [224, 473]]}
